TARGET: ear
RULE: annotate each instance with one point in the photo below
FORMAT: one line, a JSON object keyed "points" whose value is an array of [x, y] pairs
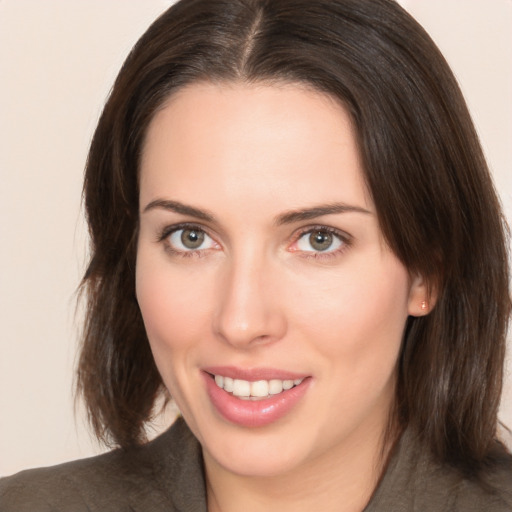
{"points": [[422, 297]]}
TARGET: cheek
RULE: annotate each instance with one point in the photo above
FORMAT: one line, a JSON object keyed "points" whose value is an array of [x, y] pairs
{"points": [[359, 316], [172, 304]]}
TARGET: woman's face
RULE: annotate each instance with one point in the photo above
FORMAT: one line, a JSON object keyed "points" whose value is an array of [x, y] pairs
{"points": [[261, 266]]}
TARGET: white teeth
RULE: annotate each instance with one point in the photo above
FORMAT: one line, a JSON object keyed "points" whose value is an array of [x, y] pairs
{"points": [[259, 388], [253, 390], [288, 384], [241, 388], [275, 387], [228, 384]]}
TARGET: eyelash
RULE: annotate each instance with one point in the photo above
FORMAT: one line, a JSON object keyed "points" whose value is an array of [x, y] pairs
{"points": [[344, 238], [169, 230]]}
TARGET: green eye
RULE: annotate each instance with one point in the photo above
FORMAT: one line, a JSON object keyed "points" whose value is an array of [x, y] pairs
{"points": [[192, 238], [319, 240]]}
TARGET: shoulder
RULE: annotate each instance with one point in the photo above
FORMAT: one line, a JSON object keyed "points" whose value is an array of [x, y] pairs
{"points": [[491, 491], [64, 487], [414, 482], [495, 485], [165, 474]]}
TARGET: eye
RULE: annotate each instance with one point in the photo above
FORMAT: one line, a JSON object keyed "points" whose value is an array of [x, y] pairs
{"points": [[189, 239], [318, 241], [321, 240]]}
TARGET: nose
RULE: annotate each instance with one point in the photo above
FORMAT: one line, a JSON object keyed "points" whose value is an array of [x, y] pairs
{"points": [[248, 310]]}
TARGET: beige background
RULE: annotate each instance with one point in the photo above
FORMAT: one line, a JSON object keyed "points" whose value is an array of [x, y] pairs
{"points": [[58, 59]]}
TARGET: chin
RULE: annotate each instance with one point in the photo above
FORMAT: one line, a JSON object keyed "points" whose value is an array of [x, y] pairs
{"points": [[254, 454]]}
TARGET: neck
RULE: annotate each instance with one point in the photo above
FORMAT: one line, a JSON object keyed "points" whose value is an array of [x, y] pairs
{"points": [[342, 481]]}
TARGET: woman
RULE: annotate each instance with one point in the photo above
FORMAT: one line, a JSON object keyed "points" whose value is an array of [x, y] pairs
{"points": [[294, 235]]}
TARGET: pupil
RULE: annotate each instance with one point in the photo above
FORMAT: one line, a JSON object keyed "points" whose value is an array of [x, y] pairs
{"points": [[320, 240], [191, 238]]}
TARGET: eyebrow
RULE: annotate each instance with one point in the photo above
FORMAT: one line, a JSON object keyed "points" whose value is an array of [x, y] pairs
{"points": [[285, 218], [317, 211], [177, 207]]}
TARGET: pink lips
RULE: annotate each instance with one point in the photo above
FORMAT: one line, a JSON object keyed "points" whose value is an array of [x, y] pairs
{"points": [[257, 413]]}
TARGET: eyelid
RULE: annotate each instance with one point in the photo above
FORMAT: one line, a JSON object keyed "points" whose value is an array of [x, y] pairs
{"points": [[343, 235], [167, 231], [345, 238]]}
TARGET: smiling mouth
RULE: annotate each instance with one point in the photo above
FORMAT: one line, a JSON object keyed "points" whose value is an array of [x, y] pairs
{"points": [[254, 390], [254, 397]]}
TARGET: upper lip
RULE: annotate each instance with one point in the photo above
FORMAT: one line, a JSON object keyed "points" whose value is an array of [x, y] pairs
{"points": [[253, 374]]}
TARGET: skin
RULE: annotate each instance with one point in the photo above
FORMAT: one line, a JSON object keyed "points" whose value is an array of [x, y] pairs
{"points": [[256, 293]]}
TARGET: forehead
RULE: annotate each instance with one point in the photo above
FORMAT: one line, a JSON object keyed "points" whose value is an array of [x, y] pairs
{"points": [[251, 141]]}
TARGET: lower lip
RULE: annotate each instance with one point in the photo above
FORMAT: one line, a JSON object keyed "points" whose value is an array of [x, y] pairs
{"points": [[254, 413]]}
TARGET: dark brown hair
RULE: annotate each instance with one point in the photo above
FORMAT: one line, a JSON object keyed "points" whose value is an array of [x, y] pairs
{"points": [[423, 165]]}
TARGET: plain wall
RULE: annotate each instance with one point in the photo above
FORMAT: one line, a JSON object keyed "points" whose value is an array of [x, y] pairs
{"points": [[58, 60]]}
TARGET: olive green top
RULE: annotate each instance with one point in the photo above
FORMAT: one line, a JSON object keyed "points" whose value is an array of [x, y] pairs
{"points": [[167, 475]]}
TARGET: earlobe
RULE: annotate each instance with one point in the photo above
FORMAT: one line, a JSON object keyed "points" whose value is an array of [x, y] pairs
{"points": [[422, 297]]}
